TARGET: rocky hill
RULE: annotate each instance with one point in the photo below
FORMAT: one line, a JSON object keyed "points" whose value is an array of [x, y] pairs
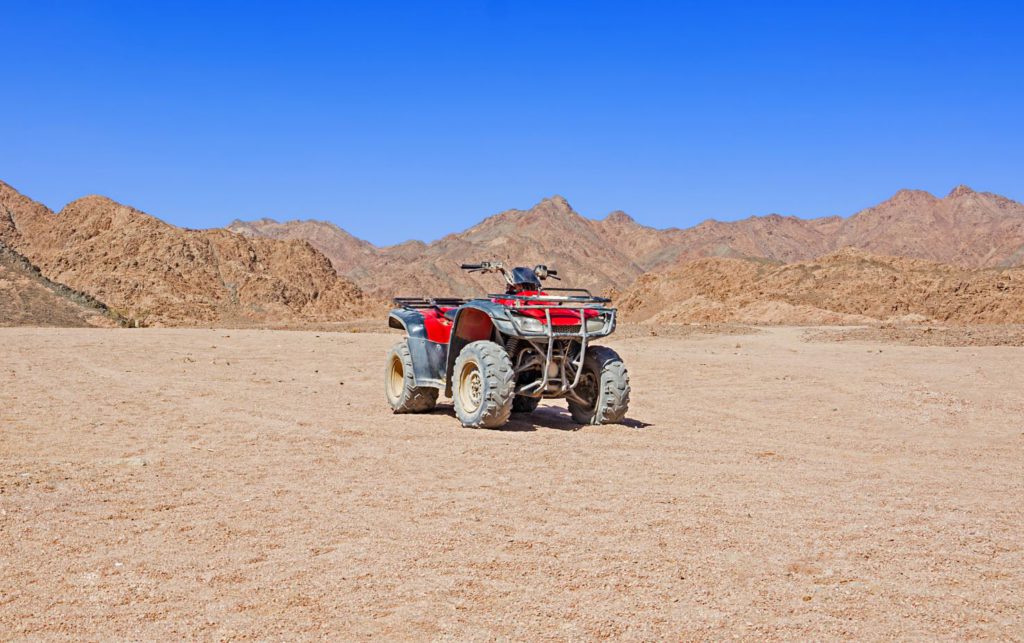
{"points": [[551, 232], [27, 298], [848, 286], [760, 269], [586, 252], [966, 228], [153, 273], [348, 254]]}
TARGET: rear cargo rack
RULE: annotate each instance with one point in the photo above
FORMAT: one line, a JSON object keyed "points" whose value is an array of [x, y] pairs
{"points": [[425, 302], [580, 290]]}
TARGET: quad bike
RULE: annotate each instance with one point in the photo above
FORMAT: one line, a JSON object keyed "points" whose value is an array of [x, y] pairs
{"points": [[503, 353]]}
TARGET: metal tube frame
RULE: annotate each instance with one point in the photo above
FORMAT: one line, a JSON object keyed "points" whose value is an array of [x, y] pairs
{"points": [[580, 304]]}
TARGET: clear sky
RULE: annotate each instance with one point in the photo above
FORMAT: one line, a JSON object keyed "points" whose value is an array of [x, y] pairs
{"points": [[402, 120]]}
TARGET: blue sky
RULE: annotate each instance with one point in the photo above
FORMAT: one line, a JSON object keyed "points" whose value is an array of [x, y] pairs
{"points": [[402, 120]]}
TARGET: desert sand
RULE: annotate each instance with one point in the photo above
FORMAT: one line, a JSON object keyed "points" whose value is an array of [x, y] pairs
{"points": [[168, 483]]}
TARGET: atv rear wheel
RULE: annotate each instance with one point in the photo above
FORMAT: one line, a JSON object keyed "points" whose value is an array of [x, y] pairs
{"points": [[400, 386], [603, 389], [524, 404], [483, 385]]}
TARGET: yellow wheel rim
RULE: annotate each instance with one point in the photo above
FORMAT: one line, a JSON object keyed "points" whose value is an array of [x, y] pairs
{"points": [[471, 386], [396, 378]]}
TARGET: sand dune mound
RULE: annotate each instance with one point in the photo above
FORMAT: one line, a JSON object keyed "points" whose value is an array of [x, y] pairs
{"points": [[848, 286]]}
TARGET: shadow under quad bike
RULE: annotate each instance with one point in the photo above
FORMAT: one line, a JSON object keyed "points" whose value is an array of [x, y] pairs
{"points": [[503, 353]]}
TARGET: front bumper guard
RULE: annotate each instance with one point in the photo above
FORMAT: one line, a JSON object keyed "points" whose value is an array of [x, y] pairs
{"points": [[550, 332]]}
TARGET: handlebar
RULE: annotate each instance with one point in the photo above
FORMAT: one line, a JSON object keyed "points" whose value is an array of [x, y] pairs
{"points": [[485, 266], [541, 270]]}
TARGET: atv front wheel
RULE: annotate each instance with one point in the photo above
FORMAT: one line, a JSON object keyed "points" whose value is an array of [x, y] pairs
{"points": [[483, 385], [400, 386], [603, 390]]}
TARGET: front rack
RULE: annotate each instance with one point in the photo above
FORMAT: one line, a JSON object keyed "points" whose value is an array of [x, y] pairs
{"points": [[544, 341], [555, 301]]}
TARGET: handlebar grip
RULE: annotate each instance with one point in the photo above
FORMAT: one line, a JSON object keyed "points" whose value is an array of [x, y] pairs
{"points": [[471, 266]]}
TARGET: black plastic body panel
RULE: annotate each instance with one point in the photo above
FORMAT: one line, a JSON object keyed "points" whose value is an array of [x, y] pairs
{"points": [[428, 361], [410, 320], [428, 358], [499, 317]]}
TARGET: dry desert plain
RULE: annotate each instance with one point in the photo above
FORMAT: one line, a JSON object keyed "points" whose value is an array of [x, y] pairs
{"points": [[217, 484]]}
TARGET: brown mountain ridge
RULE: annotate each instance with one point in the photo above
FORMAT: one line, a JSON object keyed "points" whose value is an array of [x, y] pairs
{"points": [[27, 298], [966, 228], [951, 263], [151, 272], [843, 287]]}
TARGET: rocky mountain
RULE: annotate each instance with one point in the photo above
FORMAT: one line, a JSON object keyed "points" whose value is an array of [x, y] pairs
{"points": [[154, 273], [29, 299], [586, 252], [966, 228], [756, 269], [847, 286], [348, 254], [550, 232]]}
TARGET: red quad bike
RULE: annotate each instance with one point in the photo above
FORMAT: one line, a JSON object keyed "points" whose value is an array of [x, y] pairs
{"points": [[502, 354]]}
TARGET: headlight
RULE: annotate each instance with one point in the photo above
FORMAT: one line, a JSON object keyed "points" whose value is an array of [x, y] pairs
{"points": [[595, 324], [529, 324]]}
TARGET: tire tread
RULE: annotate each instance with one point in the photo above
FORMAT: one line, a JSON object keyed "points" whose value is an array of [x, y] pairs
{"points": [[496, 367], [414, 399], [613, 389]]}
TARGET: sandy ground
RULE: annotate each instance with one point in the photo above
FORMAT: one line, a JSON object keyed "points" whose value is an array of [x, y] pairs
{"points": [[218, 484], [926, 335]]}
